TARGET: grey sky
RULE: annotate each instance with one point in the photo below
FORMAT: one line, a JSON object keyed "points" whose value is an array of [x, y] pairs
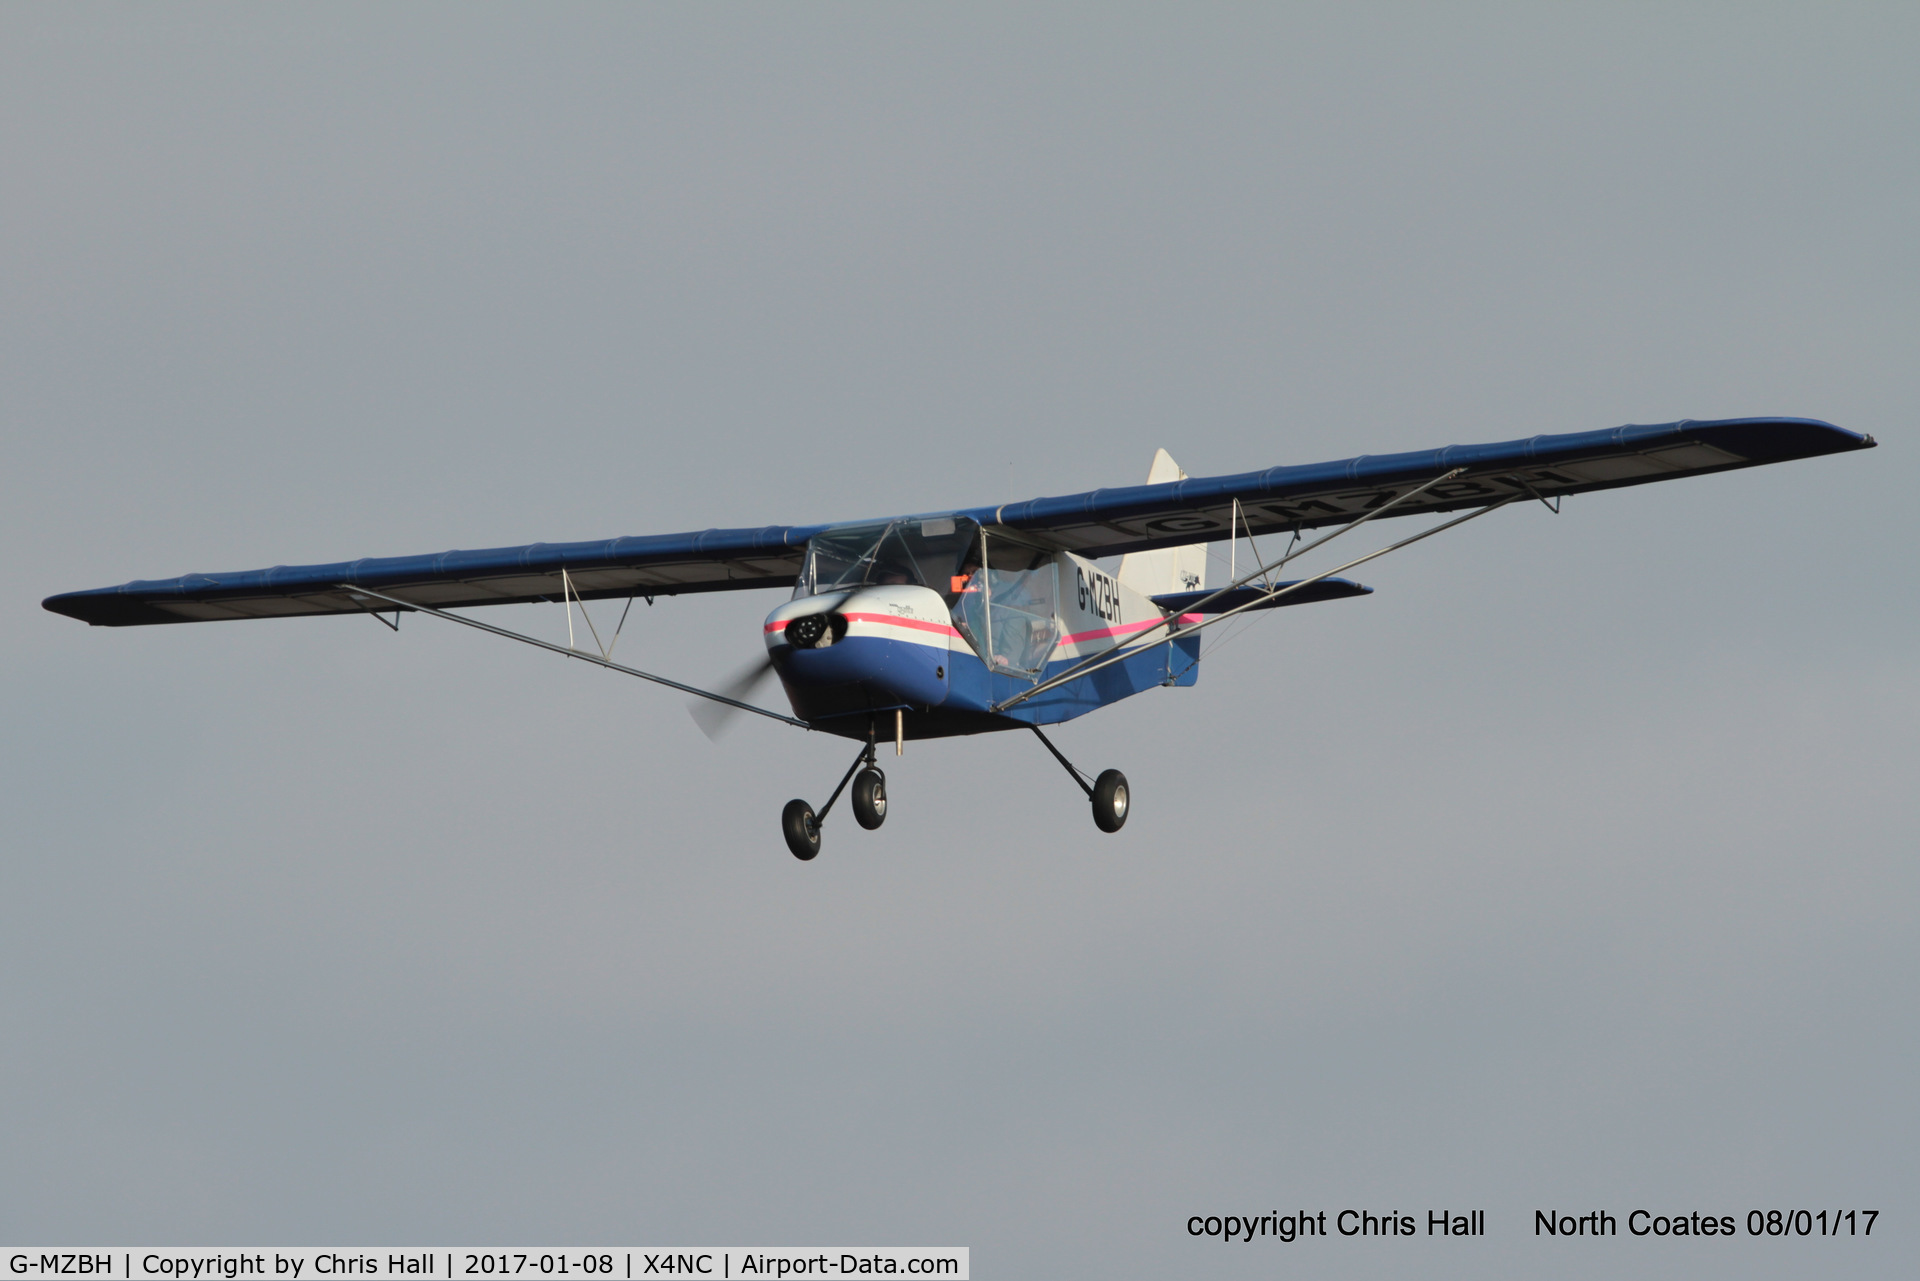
{"points": [[1573, 868]]}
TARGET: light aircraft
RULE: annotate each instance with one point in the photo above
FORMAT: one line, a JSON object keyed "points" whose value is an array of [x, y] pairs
{"points": [[987, 618]]}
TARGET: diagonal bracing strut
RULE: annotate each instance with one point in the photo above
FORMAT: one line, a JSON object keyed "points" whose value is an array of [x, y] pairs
{"points": [[1088, 664], [584, 657]]}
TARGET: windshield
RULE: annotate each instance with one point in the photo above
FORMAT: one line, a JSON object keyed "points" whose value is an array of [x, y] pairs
{"points": [[930, 552]]}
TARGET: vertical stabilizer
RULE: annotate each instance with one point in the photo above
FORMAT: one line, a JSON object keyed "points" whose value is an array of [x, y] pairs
{"points": [[1168, 569]]}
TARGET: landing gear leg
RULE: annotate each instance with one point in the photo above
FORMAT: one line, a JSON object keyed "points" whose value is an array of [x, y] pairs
{"points": [[870, 789], [801, 826], [1108, 794]]}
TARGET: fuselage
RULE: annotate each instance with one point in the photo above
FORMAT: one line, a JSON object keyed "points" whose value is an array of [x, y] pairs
{"points": [[868, 634]]}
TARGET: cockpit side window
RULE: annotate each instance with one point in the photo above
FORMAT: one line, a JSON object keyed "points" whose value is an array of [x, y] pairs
{"points": [[1008, 611]]}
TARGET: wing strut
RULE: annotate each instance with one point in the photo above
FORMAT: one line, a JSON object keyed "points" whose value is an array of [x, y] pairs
{"points": [[1171, 621], [584, 657], [570, 596]]}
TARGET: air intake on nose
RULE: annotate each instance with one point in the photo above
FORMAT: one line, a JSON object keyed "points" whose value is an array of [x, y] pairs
{"points": [[816, 631]]}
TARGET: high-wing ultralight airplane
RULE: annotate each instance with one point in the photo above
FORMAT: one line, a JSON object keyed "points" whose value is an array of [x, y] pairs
{"points": [[991, 618]]}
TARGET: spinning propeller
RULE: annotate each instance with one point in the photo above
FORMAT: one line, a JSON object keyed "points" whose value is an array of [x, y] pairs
{"points": [[715, 719]]}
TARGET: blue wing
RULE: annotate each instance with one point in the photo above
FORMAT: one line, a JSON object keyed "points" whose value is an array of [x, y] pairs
{"points": [[1102, 522], [1107, 522], [666, 564]]}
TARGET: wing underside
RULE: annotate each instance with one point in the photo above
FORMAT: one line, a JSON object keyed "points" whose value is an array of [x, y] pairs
{"points": [[1102, 522], [1109, 522], [713, 560]]}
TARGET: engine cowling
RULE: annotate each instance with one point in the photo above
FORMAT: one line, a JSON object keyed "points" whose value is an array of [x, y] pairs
{"points": [[875, 647]]}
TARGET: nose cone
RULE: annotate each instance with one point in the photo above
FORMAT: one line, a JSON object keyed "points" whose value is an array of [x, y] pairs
{"points": [[813, 614], [875, 648]]}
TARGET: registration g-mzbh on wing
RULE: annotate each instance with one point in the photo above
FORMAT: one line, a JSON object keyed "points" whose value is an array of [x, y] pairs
{"points": [[988, 618]]}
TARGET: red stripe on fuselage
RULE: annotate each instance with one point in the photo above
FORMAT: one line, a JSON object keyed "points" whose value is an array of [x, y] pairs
{"points": [[895, 620], [1127, 629], [944, 629]]}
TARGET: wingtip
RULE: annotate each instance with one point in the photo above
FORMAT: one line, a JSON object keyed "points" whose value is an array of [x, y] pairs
{"points": [[67, 607]]}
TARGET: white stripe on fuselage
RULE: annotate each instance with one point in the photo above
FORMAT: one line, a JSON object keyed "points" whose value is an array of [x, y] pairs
{"points": [[898, 612], [1095, 611]]}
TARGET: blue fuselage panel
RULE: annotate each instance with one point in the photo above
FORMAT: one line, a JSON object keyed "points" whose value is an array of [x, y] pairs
{"points": [[944, 692]]}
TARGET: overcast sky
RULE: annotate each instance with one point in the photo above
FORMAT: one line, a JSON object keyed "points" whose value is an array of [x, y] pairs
{"points": [[1573, 868]]}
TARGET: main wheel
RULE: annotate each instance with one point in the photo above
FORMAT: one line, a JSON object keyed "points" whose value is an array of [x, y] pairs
{"points": [[1110, 801], [801, 829], [870, 798]]}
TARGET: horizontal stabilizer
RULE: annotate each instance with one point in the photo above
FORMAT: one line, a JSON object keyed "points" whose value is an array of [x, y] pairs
{"points": [[1325, 589]]}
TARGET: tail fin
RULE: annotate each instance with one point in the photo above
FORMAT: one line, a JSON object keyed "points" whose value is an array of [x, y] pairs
{"points": [[1168, 569]]}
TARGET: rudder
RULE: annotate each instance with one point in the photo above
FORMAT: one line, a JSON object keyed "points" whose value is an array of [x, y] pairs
{"points": [[1165, 569]]}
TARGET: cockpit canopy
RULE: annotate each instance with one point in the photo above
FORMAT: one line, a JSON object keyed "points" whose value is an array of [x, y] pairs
{"points": [[931, 552], [1007, 614]]}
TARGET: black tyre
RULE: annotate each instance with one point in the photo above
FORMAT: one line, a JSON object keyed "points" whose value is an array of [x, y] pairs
{"points": [[801, 829], [870, 798], [1110, 801]]}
